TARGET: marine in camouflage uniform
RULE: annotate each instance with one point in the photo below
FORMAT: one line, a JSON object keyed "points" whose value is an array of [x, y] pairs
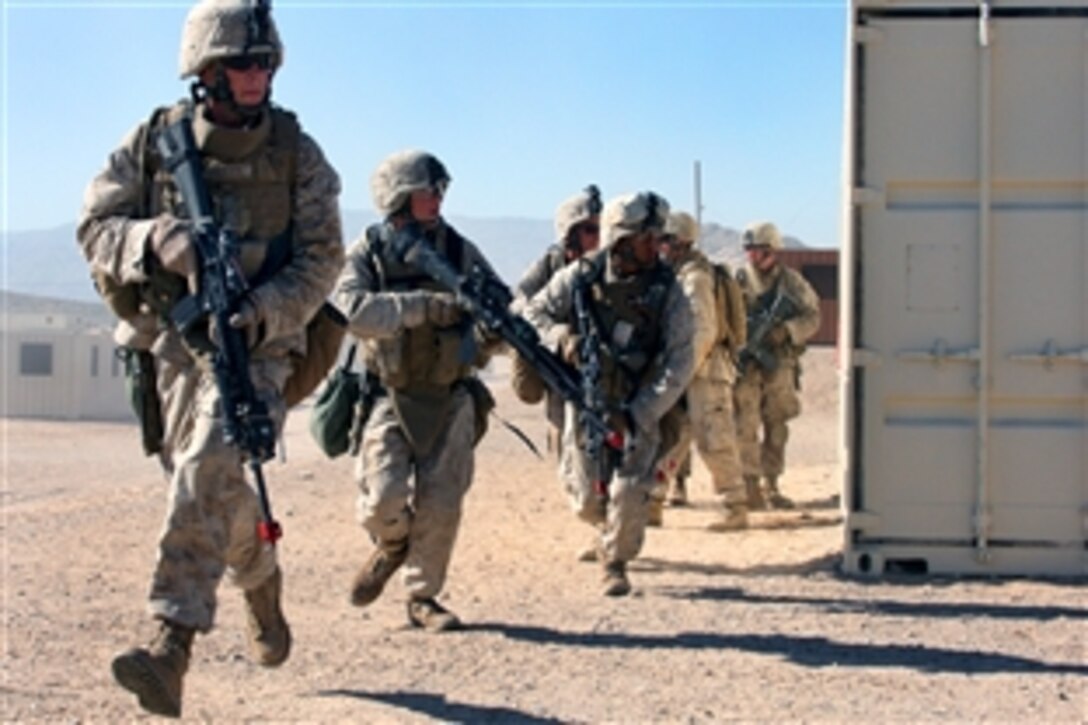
{"points": [[709, 398], [577, 229], [768, 399], [270, 184], [416, 460], [645, 326]]}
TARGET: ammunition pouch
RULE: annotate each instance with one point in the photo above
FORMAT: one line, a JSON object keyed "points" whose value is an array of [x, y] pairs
{"points": [[141, 388], [526, 381], [341, 409]]}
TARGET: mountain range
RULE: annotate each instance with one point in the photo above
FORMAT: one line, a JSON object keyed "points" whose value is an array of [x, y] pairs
{"points": [[47, 262]]}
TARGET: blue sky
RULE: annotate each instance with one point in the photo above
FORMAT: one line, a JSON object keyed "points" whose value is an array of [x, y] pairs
{"points": [[525, 102]]}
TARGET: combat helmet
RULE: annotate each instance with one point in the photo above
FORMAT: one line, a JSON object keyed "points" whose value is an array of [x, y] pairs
{"points": [[682, 227], [216, 29], [632, 214], [762, 234], [581, 207], [403, 172]]}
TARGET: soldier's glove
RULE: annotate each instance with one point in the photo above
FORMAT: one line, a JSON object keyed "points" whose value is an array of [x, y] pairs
{"points": [[569, 346], [248, 318], [439, 308], [171, 243], [443, 309], [634, 439]]}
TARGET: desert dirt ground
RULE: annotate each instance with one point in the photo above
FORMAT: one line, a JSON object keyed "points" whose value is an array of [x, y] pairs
{"points": [[755, 626]]}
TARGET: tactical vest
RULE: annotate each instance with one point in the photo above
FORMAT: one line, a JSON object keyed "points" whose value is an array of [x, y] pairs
{"points": [[250, 176], [760, 291], [627, 313], [426, 355]]}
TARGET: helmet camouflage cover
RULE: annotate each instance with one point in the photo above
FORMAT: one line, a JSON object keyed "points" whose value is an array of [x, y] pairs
{"points": [[682, 226], [581, 207], [632, 214], [762, 234], [217, 29], [403, 172]]}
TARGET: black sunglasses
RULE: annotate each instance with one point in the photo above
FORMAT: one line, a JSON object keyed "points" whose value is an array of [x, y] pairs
{"points": [[245, 62]]}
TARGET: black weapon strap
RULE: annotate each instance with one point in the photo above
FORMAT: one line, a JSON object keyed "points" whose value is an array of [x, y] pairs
{"points": [[377, 236], [519, 433]]}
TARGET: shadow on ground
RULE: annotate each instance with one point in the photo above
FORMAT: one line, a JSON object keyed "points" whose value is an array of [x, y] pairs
{"points": [[440, 707], [801, 650]]}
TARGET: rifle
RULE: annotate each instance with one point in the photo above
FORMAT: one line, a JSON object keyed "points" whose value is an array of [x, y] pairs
{"points": [[221, 289], [770, 310], [592, 403], [488, 299]]}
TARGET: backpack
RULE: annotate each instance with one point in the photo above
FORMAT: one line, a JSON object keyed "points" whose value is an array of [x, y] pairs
{"points": [[730, 308]]}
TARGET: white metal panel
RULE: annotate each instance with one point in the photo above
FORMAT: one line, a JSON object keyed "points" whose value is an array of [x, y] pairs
{"points": [[923, 480]]}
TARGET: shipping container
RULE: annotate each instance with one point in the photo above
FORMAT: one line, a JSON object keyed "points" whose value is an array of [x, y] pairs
{"points": [[964, 288]]}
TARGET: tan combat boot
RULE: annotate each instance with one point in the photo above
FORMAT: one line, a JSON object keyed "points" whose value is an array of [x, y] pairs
{"points": [[615, 579], [154, 674], [269, 635], [381, 565], [756, 502], [655, 514], [734, 517], [775, 499], [428, 614]]}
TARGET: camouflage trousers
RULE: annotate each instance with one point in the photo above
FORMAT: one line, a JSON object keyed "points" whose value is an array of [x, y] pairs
{"points": [[213, 511], [416, 498], [767, 400], [710, 424], [621, 515]]}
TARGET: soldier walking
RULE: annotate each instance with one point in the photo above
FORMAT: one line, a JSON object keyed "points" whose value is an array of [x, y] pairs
{"points": [[416, 460], [577, 229], [709, 398], [628, 301], [271, 186], [766, 393]]}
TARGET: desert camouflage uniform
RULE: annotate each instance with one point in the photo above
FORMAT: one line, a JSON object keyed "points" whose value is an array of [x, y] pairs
{"points": [[416, 461], [211, 521], [622, 515], [709, 398], [573, 212], [534, 280], [769, 399]]}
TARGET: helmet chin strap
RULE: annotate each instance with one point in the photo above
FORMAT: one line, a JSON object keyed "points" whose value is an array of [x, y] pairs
{"points": [[220, 92]]}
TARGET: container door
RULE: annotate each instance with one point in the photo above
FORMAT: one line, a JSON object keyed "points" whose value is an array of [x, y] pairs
{"points": [[970, 416]]}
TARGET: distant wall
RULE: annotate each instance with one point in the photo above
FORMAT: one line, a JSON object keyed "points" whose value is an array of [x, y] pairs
{"points": [[821, 268]]}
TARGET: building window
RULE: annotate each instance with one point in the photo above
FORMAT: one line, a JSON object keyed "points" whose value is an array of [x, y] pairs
{"points": [[94, 361], [35, 358]]}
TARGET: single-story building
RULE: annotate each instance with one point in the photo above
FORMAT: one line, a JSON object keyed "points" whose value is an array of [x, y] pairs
{"points": [[56, 366]]}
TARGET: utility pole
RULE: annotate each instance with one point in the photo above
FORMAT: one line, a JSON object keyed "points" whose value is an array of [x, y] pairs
{"points": [[698, 197]]}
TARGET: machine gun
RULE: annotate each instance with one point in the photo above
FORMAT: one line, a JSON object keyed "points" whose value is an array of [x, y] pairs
{"points": [[488, 299], [771, 309], [222, 287]]}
